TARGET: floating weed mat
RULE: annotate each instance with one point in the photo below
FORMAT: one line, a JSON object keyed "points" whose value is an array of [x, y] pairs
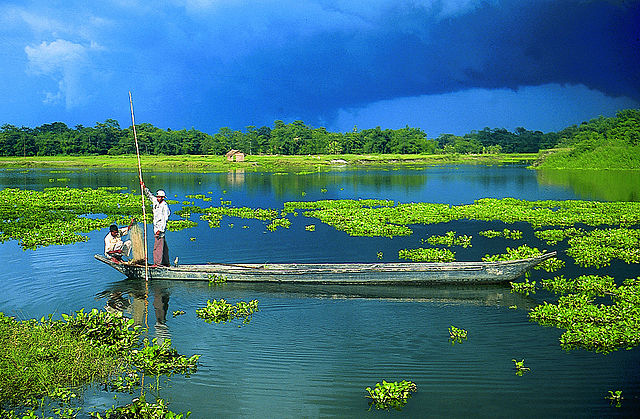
{"points": [[220, 311], [525, 252], [55, 215], [385, 219], [598, 247], [597, 327]]}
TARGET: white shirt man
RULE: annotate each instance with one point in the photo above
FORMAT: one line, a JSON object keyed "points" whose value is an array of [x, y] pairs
{"points": [[161, 214], [114, 247]]}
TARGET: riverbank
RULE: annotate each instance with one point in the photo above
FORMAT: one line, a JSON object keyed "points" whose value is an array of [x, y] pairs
{"points": [[267, 163]]}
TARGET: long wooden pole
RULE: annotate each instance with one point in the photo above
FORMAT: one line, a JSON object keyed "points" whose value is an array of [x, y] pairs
{"points": [[144, 211]]}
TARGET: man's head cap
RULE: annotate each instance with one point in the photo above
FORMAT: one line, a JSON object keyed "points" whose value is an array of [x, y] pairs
{"points": [[160, 193], [113, 227]]}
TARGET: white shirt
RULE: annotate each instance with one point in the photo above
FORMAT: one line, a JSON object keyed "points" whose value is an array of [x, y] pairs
{"points": [[161, 212], [114, 243]]}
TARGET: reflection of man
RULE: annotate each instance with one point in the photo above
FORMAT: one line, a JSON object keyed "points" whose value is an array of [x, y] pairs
{"points": [[114, 247], [161, 215], [135, 305]]}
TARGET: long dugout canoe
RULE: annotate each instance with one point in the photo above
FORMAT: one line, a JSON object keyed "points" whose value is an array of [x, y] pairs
{"points": [[409, 273]]}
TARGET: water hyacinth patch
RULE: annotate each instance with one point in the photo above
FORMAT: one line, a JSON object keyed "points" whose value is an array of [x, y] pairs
{"points": [[598, 327], [220, 311], [427, 255], [450, 239], [598, 247], [457, 335], [505, 233], [394, 395]]}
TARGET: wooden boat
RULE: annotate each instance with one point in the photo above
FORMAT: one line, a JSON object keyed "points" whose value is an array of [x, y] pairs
{"points": [[418, 273]]}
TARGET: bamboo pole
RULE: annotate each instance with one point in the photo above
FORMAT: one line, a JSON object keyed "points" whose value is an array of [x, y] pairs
{"points": [[144, 211]]}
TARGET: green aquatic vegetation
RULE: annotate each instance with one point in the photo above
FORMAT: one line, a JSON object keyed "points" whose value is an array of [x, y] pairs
{"points": [[615, 397], [598, 247], [394, 395], [505, 233], [457, 335], [385, 219], [161, 359], [589, 285], [521, 252], [520, 368], [57, 215], [598, 327], [380, 255], [311, 227], [175, 225], [450, 239], [427, 255], [177, 313], [553, 236], [525, 287], [218, 311], [216, 279], [278, 222], [139, 408]]}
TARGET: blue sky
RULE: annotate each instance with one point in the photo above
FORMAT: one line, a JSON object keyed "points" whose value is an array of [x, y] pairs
{"points": [[445, 66]]}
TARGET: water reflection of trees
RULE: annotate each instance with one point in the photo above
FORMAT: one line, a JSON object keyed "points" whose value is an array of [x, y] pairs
{"points": [[608, 185]]}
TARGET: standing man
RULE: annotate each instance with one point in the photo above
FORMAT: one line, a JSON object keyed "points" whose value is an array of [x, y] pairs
{"points": [[161, 214]]}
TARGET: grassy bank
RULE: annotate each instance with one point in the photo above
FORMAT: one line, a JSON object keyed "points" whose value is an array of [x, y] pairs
{"points": [[268, 163]]}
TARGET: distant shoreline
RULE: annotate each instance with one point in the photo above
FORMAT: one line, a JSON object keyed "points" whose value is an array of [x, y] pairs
{"points": [[268, 163]]}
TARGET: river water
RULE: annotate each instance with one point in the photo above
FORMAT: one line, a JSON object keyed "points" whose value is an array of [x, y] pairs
{"points": [[310, 351]]}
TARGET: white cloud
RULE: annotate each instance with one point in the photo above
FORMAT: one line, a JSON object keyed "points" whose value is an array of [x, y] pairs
{"points": [[64, 62]]}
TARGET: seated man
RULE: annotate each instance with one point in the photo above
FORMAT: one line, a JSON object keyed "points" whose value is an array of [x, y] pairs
{"points": [[114, 247]]}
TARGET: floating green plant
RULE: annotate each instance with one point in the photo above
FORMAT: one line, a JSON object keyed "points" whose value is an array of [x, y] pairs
{"points": [[598, 247], [311, 227], [278, 222], [216, 279], [175, 225], [598, 327], [427, 255], [177, 313], [505, 233], [450, 239], [457, 335], [218, 311], [394, 395], [615, 397], [553, 236], [380, 255], [520, 368], [525, 287]]}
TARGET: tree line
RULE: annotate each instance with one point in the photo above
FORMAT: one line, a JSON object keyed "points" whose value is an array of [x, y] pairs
{"points": [[295, 138]]}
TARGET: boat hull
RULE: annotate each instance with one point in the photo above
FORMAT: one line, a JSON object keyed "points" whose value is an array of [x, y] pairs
{"points": [[341, 273]]}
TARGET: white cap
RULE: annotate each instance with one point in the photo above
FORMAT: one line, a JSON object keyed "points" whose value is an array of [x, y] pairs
{"points": [[160, 193]]}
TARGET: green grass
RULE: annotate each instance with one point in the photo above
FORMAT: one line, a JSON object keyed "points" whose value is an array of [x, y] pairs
{"points": [[268, 163], [36, 358]]}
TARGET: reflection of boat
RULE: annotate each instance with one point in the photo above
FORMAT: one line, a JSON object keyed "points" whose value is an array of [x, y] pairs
{"points": [[341, 273]]}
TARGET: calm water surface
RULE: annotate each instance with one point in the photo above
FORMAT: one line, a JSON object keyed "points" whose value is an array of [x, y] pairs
{"points": [[311, 350]]}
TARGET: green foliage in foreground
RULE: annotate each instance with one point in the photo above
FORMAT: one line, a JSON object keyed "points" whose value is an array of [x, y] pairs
{"points": [[598, 327], [39, 360], [391, 395]]}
